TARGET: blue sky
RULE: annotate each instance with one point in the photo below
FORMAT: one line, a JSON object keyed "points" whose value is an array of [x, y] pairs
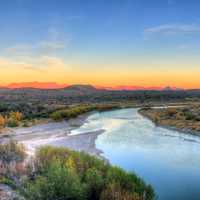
{"points": [[116, 34]]}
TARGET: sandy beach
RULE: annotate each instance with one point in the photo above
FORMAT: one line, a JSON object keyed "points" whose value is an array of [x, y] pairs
{"points": [[56, 134]]}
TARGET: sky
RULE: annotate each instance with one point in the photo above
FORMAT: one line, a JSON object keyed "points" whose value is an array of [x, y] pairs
{"points": [[101, 42]]}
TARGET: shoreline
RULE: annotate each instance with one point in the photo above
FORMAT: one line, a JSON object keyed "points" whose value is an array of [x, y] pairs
{"points": [[56, 134], [184, 131], [80, 142]]}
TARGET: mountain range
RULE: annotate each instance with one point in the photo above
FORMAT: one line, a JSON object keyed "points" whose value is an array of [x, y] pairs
{"points": [[54, 85]]}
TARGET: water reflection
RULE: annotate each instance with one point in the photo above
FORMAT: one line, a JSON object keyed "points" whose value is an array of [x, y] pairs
{"points": [[167, 159]]}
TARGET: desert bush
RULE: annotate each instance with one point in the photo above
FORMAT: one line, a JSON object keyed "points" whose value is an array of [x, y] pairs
{"points": [[75, 111], [189, 116], [12, 123], [58, 182], [14, 119], [12, 151], [60, 173], [12, 163], [16, 115], [2, 121]]}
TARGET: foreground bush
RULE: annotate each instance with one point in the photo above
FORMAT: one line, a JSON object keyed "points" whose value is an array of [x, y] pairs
{"points": [[11, 152], [67, 175], [12, 164]]}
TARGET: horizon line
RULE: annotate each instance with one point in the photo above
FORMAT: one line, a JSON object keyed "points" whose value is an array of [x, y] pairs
{"points": [[55, 85]]}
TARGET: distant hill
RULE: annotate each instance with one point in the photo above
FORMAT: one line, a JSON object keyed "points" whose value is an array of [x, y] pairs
{"points": [[87, 88], [37, 85], [89, 93], [81, 90], [168, 88], [135, 88], [129, 87], [81, 87], [72, 90]]}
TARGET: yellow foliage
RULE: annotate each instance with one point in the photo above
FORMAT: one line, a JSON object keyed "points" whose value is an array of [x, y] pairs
{"points": [[16, 116], [71, 164], [2, 121]]}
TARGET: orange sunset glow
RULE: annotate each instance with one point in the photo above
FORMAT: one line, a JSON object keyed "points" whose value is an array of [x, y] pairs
{"points": [[105, 51]]}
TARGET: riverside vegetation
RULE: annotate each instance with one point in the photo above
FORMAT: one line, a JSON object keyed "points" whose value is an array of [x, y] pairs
{"points": [[14, 118], [74, 111], [39, 104], [185, 118], [59, 173]]}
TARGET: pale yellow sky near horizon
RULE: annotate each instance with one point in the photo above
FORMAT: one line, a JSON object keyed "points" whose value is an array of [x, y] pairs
{"points": [[54, 69], [129, 43]]}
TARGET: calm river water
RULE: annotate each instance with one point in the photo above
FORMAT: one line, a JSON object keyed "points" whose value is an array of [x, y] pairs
{"points": [[168, 160]]}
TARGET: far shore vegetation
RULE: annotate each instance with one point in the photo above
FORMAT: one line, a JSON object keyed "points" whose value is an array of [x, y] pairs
{"points": [[28, 106], [186, 118], [59, 173]]}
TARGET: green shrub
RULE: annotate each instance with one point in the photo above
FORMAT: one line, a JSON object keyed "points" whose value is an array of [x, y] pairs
{"points": [[60, 173], [7, 181], [114, 191], [58, 182], [75, 111], [12, 123], [95, 182], [56, 116], [189, 116]]}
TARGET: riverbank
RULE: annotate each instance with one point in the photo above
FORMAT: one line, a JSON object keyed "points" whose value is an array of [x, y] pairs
{"points": [[74, 175], [75, 165], [56, 134], [50, 133], [180, 119]]}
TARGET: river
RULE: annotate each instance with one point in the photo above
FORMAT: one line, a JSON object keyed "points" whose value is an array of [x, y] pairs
{"points": [[167, 159]]}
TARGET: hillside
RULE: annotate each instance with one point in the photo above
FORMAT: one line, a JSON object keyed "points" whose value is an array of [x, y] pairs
{"points": [[88, 93]]}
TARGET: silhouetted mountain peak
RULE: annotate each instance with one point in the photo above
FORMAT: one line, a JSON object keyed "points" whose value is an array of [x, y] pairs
{"points": [[82, 88], [168, 88]]}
